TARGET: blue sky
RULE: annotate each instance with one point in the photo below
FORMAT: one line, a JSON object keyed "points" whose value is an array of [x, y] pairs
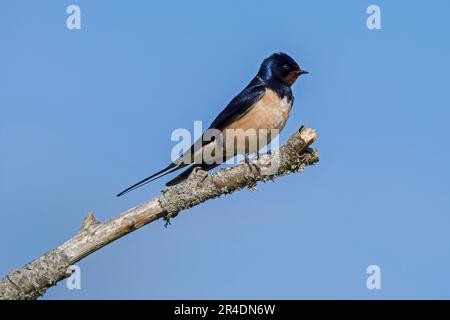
{"points": [[86, 112]]}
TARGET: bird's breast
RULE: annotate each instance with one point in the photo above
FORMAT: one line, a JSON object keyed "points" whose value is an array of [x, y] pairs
{"points": [[270, 112], [260, 124]]}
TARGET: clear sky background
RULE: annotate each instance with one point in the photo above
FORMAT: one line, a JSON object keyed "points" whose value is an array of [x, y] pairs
{"points": [[85, 113]]}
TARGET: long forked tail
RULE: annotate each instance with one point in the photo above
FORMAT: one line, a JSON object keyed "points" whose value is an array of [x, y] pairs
{"points": [[169, 169]]}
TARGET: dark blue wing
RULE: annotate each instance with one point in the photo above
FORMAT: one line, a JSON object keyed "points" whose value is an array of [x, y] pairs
{"points": [[240, 104], [237, 108]]}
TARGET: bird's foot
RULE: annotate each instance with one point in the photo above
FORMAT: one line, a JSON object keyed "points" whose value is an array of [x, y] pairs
{"points": [[199, 174], [254, 166], [250, 164]]}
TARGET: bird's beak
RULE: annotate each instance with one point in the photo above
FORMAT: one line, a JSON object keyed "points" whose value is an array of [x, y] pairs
{"points": [[293, 75]]}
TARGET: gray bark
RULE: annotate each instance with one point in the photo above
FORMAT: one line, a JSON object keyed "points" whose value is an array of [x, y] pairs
{"points": [[32, 280]]}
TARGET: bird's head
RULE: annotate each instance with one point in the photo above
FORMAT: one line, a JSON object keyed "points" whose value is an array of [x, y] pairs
{"points": [[279, 66]]}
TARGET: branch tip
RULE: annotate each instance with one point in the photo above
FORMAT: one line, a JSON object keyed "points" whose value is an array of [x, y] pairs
{"points": [[308, 135]]}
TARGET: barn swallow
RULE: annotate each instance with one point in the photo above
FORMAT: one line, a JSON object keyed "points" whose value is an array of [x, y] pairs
{"points": [[264, 104]]}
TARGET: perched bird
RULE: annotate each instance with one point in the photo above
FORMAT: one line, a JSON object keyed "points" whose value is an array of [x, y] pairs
{"points": [[264, 104]]}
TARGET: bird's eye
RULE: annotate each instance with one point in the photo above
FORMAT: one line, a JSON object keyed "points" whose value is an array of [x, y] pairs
{"points": [[286, 67]]}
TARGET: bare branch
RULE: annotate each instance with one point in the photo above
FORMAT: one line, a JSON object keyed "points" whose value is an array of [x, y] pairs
{"points": [[36, 277]]}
